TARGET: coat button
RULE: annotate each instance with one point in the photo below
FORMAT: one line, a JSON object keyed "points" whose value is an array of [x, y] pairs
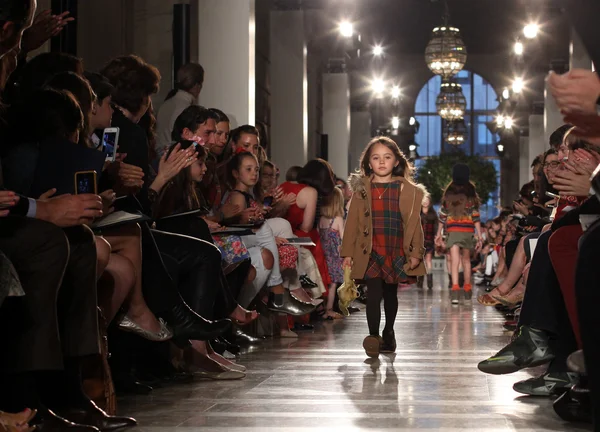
{"points": [[365, 251], [367, 213], [366, 232]]}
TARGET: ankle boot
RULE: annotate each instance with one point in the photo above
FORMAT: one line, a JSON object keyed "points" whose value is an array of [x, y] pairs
{"points": [[430, 281], [419, 281], [287, 304], [389, 342], [187, 324]]}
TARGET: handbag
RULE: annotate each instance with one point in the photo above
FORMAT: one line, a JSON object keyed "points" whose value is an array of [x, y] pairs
{"points": [[347, 292]]}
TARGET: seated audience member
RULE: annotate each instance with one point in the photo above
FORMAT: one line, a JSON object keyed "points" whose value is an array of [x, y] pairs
{"points": [[190, 78]]}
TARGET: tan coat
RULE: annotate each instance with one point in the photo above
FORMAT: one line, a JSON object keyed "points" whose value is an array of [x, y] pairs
{"points": [[358, 238]]}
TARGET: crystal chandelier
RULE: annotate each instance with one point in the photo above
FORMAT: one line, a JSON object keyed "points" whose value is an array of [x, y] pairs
{"points": [[455, 132], [451, 103], [446, 53]]}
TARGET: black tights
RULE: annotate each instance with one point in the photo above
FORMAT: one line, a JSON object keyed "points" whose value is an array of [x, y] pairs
{"points": [[377, 290]]}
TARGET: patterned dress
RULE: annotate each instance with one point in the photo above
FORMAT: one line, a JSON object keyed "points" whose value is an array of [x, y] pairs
{"points": [[429, 221], [387, 256], [332, 243]]}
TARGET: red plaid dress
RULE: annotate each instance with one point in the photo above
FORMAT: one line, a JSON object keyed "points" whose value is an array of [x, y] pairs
{"points": [[387, 256]]}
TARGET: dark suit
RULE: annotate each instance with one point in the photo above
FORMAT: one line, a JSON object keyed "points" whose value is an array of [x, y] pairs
{"points": [[57, 316]]}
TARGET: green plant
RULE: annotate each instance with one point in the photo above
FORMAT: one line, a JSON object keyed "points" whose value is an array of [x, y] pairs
{"points": [[436, 173]]}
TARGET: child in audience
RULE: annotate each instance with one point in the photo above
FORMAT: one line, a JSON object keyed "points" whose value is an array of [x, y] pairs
{"points": [[331, 230], [384, 238]]}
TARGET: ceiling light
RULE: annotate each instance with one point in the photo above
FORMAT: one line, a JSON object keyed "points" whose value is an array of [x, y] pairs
{"points": [[508, 123], [395, 92], [531, 30], [500, 120], [346, 29], [412, 121], [377, 50], [506, 93], [519, 48], [378, 86], [446, 52], [395, 122], [518, 85]]}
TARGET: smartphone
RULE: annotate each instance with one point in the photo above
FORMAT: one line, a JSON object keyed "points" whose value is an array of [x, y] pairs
{"points": [[551, 195], [268, 201], [85, 182], [110, 142]]}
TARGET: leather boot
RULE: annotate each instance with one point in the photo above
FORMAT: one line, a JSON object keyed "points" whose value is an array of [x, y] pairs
{"points": [[90, 414], [285, 303], [47, 421], [243, 338], [187, 324], [430, 281], [419, 281], [389, 342]]}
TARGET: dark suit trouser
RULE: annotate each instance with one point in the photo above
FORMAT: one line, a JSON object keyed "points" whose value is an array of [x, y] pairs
{"points": [[57, 317], [587, 290]]}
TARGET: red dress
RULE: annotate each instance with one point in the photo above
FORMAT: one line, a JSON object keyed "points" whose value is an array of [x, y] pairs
{"points": [[295, 216]]}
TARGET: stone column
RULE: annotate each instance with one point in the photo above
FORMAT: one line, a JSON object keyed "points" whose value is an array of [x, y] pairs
{"points": [[524, 164], [360, 135], [553, 119], [538, 143], [336, 120], [579, 57], [227, 51], [289, 90]]}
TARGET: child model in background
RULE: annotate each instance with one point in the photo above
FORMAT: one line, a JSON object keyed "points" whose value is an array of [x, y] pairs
{"points": [[460, 217], [430, 222], [331, 230], [383, 238]]}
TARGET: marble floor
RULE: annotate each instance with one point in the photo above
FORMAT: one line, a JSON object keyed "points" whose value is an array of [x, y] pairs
{"points": [[323, 382]]}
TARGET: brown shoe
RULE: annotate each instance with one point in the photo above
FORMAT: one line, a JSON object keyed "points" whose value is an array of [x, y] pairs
{"points": [[372, 345]]}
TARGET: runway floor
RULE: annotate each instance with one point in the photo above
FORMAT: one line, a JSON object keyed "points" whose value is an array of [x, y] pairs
{"points": [[322, 381]]}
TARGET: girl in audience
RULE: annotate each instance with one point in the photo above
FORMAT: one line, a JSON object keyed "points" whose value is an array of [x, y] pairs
{"points": [[460, 216], [429, 222], [243, 177], [383, 241], [331, 230]]}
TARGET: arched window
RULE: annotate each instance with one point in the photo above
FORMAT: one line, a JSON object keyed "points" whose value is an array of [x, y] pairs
{"points": [[482, 102]]}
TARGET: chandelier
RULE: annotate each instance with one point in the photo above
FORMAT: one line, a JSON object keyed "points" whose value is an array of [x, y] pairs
{"points": [[455, 132], [451, 103], [446, 53]]}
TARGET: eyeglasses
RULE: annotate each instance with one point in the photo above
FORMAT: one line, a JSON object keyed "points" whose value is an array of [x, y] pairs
{"points": [[553, 164]]}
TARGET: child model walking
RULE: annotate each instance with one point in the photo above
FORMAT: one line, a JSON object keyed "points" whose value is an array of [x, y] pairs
{"points": [[383, 237], [429, 221], [459, 215]]}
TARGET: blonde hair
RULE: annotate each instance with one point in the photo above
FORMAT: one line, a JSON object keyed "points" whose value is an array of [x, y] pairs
{"points": [[334, 205]]}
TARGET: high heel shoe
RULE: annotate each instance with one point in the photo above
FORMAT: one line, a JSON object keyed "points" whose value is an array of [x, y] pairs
{"points": [[127, 324], [187, 324], [509, 299], [249, 316]]}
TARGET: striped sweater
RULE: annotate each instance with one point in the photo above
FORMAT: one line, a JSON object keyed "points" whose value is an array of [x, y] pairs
{"points": [[459, 214]]}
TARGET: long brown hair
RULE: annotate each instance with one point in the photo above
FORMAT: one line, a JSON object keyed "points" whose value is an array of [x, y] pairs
{"points": [[456, 197], [404, 168], [180, 195]]}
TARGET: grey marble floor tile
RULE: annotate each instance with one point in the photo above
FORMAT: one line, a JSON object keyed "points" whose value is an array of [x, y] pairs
{"points": [[324, 382]]}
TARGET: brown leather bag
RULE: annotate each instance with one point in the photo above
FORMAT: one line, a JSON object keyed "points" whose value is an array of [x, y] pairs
{"points": [[97, 379]]}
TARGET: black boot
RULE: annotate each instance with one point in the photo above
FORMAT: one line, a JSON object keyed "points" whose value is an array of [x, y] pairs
{"points": [[430, 281], [187, 324], [244, 338], [389, 342], [285, 303], [419, 281], [47, 421]]}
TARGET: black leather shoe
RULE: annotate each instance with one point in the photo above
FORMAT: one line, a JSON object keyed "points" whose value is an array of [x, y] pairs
{"points": [[90, 414], [388, 345], [285, 303], [47, 421], [529, 349], [245, 339], [303, 327], [187, 324], [420, 280], [220, 345], [307, 282], [574, 405], [353, 309], [429, 281], [230, 346]]}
